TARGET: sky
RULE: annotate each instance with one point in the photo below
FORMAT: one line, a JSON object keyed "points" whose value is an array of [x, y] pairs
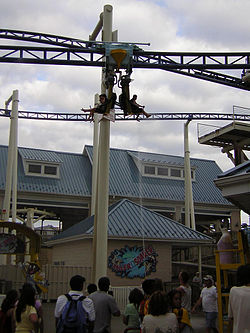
{"points": [[168, 25]]}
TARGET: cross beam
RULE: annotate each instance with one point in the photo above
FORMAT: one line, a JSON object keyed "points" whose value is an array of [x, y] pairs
{"points": [[120, 116], [209, 66]]}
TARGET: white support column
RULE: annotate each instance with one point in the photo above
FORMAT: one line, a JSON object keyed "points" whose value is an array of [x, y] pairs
{"points": [[103, 172], [15, 153], [11, 154], [95, 159], [189, 203], [186, 156]]}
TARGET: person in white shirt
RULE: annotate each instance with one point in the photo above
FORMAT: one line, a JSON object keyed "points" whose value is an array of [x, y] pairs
{"points": [[208, 299], [76, 284], [159, 319], [239, 302]]}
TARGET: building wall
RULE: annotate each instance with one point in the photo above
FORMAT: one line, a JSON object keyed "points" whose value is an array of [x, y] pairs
{"points": [[76, 253], [79, 253], [163, 267]]}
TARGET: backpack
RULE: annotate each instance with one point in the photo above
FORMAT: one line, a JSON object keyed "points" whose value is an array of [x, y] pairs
{"points": [[73, 317]]}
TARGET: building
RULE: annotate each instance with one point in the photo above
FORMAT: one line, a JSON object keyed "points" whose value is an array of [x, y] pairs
{"points": [[60, 183], [140, 244]]}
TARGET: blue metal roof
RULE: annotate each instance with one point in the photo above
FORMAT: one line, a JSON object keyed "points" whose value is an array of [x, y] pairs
{"points": [[240, 169], [75, 173], [157, 158], [39, 155], [127, 219], [126, 180]]}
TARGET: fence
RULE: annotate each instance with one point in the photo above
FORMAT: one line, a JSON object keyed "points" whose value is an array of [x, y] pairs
{"points": [[12, 277]]}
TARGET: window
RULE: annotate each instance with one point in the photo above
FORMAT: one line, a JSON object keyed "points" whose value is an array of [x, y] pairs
{"points": [[50, 170], [34, 168], [175, 172], [166, 171], [41, 169], [149, 170], [162, 171]]}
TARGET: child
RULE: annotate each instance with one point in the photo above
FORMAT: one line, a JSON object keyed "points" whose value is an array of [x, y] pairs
{"points": [[131, 314], [181, 313], [148, 287]]}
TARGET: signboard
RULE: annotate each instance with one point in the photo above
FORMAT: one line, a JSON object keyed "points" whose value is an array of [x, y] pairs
{"points": [[133, 261], [11, 244]]}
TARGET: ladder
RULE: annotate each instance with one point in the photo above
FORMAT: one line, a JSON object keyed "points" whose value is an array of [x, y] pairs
{"points": [[225, 268]]}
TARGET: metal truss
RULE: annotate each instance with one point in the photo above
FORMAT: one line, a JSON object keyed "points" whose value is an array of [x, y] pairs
{"points": [[41, 38], [76, 52], [120, 117]]}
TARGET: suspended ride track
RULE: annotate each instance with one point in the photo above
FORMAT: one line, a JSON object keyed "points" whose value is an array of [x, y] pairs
{"points": [[209, 66], [120, 117]]}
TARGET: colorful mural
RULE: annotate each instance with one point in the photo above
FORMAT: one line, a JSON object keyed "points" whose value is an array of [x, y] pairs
{"points": [[133, 261], [10, 244]]}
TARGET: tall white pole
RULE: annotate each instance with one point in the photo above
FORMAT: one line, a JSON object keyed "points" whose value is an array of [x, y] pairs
{"points": [[95, 159], [15, 153], [189, 203], [103, 171], [11, 153], [186, 156]]}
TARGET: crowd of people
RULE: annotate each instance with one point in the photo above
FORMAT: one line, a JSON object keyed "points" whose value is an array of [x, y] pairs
{"points": [[150, 309]]}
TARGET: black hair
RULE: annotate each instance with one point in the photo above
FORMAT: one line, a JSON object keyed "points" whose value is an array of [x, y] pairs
{"points": [[76, 282], [135, 297], [185, 277], [10, 300], [243, 275], [104, 283], [148, 286], [27, 298], [158, 303], [91, 288]]}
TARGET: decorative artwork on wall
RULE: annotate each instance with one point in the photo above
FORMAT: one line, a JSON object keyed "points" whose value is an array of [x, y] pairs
{"points": [[133, 261], [9, 244]]}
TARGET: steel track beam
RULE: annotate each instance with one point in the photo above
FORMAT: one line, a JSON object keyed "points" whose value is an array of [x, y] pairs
{"points": [[209, 66], [120, 117]]}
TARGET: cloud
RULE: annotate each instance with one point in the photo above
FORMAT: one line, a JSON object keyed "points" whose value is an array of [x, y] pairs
{"points": [[183, 25]]}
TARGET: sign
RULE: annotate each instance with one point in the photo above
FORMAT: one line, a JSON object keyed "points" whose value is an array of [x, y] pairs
{"points": [[9, 244], [133, 261]]}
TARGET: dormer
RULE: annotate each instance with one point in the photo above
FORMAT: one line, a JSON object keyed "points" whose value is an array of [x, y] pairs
{"points": [[40, 163], [161, 166]]}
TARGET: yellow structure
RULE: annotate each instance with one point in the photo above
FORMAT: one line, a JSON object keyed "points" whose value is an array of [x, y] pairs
{"points": [[222, 271]]}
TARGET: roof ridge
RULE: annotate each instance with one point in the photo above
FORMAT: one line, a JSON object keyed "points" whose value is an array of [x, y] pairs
{"points": [[49, 150]]}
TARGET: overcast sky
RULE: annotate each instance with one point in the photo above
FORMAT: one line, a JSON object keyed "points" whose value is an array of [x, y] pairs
{"points": [[168, 25]]}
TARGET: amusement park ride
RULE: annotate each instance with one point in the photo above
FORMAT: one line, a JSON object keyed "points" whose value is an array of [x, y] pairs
{"points": [[118, 61]]}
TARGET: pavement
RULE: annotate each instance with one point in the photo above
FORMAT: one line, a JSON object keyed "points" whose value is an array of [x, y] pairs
{"points": [[197, 321]]}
